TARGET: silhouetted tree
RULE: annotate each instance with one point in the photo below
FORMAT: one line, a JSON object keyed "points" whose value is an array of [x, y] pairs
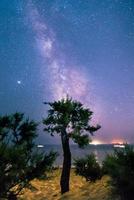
{"points": [[69, 119], [19, 160]]}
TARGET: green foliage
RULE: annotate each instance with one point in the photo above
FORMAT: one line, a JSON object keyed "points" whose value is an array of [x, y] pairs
{"points": [[120, 166], [88, 167], [19, 160], [71, 117]]}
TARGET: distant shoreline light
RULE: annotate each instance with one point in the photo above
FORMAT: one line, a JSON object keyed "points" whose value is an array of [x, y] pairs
{"points": [[40, 146], [118, 145], [96, 142], [119, 142], [113, 142]]}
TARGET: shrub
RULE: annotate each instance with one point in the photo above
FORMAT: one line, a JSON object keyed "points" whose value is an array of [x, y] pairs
{"points": [[120, 166], [88, 167]]}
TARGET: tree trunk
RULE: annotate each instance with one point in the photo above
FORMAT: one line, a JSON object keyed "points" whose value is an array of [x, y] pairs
{"points": [[65, 176]]}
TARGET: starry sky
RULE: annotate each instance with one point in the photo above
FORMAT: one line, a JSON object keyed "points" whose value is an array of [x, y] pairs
{"points": [[83, 48]]}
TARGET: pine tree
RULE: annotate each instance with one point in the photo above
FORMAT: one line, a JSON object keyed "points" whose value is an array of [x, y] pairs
{"points": [[70, 120], [19, 160]]}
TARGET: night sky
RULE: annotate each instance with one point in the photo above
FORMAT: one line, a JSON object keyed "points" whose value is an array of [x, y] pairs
{"points": [[83, 48]]}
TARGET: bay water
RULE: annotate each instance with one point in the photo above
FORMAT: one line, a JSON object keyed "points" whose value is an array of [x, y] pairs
{"points": [[100, 152]]}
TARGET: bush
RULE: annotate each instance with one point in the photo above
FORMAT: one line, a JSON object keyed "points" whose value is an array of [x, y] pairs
{"points": [[19, 160], [88, 167], [120, 166]]}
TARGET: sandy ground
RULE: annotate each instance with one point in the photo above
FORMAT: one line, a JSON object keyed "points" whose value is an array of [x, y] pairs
{"points": [[79, 189]]}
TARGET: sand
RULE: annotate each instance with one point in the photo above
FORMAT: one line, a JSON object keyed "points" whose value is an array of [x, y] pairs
{"points": [[79, 189]]}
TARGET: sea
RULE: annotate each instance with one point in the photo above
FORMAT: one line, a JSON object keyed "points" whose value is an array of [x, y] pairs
{"points": [[100, 152]]}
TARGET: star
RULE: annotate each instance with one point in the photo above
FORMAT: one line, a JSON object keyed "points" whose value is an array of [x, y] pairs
{"points": [[19, 82]]}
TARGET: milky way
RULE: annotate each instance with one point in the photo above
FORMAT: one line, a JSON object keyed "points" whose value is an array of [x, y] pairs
{"points": [[64, 79]]}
